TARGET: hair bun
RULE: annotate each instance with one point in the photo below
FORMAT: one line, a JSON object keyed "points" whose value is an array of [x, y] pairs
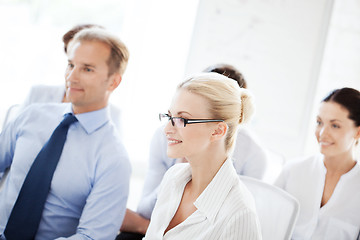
{"points": [[247, 106]]}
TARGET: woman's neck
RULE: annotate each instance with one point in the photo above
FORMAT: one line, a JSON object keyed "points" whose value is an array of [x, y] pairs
{"points": [[340, 164], [204, 170]]}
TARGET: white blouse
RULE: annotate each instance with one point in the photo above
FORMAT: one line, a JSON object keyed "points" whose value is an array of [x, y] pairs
{"points": [[249, 159], [225, 209], [339, 218]]}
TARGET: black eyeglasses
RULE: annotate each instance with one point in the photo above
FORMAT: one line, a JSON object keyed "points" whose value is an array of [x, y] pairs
{"points": [[180, 122]]}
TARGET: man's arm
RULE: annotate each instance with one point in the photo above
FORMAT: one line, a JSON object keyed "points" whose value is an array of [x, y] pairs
{"points": [[250, 158], [7, 144], [134, 223], [105, 206], [6, 152]]}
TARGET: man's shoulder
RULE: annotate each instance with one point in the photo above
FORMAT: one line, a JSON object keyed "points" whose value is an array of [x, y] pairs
{"points": [[46, 89], [42, 87], [46, 106], [248, 149], [45, 93], [43, 111], [246, 135]]}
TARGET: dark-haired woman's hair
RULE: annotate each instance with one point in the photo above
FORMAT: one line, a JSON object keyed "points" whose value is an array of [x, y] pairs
{"points": [[348, 98], [228, 71]]}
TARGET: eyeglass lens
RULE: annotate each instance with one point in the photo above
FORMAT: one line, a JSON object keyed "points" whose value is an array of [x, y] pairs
{"points": [[178, 122], [175, 121]]}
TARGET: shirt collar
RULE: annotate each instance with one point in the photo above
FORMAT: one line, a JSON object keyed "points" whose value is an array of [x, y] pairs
{"points": [[221, 185], [90, 121]]}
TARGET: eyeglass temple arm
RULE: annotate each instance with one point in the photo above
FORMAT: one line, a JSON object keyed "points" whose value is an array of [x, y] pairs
{"points": [[190, 121]]}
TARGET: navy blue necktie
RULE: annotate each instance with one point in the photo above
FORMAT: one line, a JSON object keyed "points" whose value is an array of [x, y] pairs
{"points": [[25, 216]]}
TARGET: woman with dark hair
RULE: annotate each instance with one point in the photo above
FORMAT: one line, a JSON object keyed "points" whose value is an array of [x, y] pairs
{"points": [[327, 186]]}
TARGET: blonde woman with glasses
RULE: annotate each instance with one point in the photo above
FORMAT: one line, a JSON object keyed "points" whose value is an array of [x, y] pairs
{"points": [[204, 198]]}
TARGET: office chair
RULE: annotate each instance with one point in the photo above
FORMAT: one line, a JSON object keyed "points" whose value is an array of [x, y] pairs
{"points": [[277, 210]]}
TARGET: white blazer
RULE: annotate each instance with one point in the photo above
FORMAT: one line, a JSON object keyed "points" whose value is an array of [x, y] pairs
{"points": [[339, 218]]}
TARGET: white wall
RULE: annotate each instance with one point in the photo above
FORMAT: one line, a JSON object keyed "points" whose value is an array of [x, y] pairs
{"points": [[158, 36], [341, 62], [279, 47]]}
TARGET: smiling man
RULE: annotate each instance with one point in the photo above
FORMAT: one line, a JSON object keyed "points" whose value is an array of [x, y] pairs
{"points": [[88, 186], [89, 79]]}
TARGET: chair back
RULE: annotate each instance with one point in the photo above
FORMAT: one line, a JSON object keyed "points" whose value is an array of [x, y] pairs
{"points": [[277, 210]]}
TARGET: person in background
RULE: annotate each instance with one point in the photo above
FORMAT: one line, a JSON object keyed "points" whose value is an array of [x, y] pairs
{"points": [[249, 155], [327, 185], [88, 184], [57, 93], [204, 197], [249, 158], [229, 71]]}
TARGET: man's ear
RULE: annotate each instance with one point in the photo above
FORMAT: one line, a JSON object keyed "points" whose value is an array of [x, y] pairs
{"points": [[115, 80], [220, 131]]}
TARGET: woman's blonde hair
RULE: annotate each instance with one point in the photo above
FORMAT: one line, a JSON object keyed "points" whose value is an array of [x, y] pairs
{"points": [[226, 99]]}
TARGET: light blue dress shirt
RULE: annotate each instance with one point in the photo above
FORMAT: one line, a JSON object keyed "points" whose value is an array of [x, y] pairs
{"points": [[89, 190], [55, 94]]}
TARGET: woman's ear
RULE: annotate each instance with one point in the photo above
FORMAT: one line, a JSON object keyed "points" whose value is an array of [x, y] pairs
{"points": [[220, 131], [357, 137]]}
